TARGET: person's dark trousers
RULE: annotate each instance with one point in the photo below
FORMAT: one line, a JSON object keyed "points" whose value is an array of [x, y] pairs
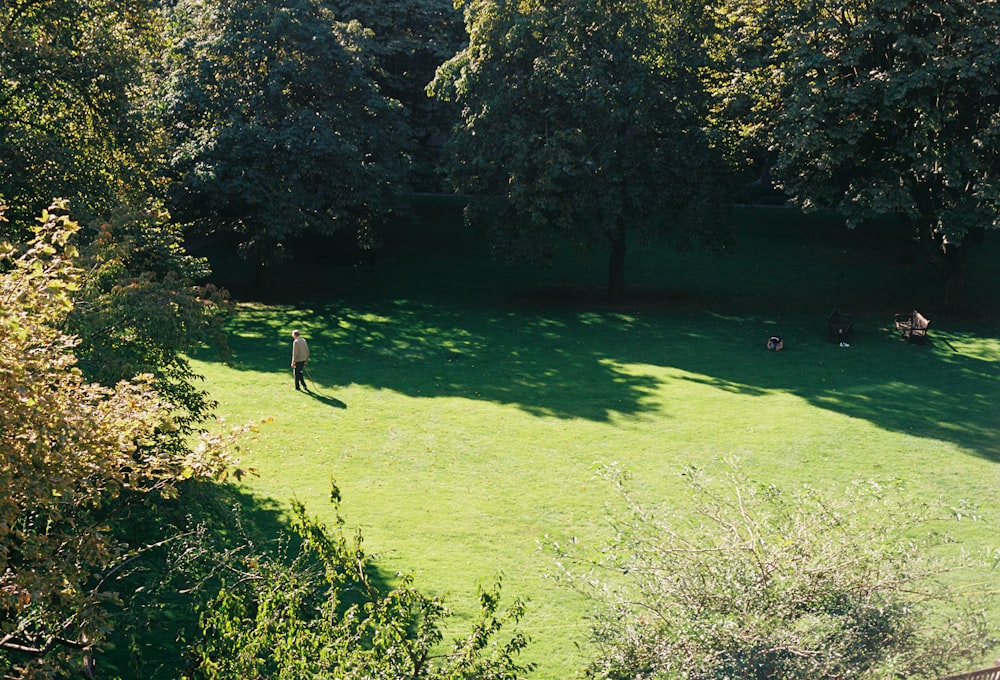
{"points": [[299, 377]]}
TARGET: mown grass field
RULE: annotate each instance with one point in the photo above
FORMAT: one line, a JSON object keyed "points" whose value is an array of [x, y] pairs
{"points": [[462, 407]]}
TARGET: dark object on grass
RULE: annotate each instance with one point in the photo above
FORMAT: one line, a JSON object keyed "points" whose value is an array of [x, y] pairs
{"points": [[913, 326], [839, 326], [774, 343]]}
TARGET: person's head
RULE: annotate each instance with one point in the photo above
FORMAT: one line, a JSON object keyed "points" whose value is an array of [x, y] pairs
{"points": [[295, 334]]}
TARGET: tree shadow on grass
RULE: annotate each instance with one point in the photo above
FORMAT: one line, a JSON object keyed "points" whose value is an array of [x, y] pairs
{"points": [[543, 364], [591, 361], [428, 325], [946, 390]]}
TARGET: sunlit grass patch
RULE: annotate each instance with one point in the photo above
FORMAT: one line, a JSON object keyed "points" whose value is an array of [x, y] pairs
{"points": [[464, 424]]}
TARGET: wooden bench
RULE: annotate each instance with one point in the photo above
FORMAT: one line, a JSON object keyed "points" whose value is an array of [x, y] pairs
{"points": [[912, 326], [985, 674]]}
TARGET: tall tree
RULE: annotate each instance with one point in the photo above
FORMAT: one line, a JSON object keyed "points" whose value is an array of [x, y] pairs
{"points": [[71, 123], [893, 107], [583, 122], [277, 125], [74, 126]]}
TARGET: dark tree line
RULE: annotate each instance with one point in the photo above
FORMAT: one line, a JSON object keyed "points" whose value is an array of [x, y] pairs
{"points": [[602, 124]]}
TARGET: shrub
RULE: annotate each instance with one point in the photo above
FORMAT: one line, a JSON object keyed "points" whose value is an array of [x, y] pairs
{"points": [[754, 582]]}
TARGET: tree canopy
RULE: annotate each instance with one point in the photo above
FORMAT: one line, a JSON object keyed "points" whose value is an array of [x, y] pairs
{"points": [[583, 123], [410, 39], [276, 124], [887, 107], [72, 124]]}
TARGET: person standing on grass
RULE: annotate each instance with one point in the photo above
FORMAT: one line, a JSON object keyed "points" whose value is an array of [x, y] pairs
{"points": [[300, 355]]}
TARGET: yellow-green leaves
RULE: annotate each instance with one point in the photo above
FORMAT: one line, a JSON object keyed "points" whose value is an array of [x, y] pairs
{"points": [[68, 448]]}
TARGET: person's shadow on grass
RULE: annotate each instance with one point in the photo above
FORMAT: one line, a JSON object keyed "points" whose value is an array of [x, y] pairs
{"points": [[322, 398]]}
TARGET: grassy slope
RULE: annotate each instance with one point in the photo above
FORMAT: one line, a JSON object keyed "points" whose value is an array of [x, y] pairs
{"points": [[462, 408]]}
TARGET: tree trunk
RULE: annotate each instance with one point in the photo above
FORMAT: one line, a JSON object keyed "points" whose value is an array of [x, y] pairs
{"points": [[952, 264], [616, 268], [949, 259]]}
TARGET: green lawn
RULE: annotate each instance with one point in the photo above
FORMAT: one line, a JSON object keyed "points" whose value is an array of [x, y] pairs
{"points": [[462, 407]]}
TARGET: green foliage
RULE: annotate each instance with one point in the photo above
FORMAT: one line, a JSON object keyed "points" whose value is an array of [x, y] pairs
{"points": [[315, 610], [582, 122], [744, 79], [756, 582], [410, 39], [140, 310], [70, 451], [868, 109], [275, 123], [71, 84], [891, 107]]}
